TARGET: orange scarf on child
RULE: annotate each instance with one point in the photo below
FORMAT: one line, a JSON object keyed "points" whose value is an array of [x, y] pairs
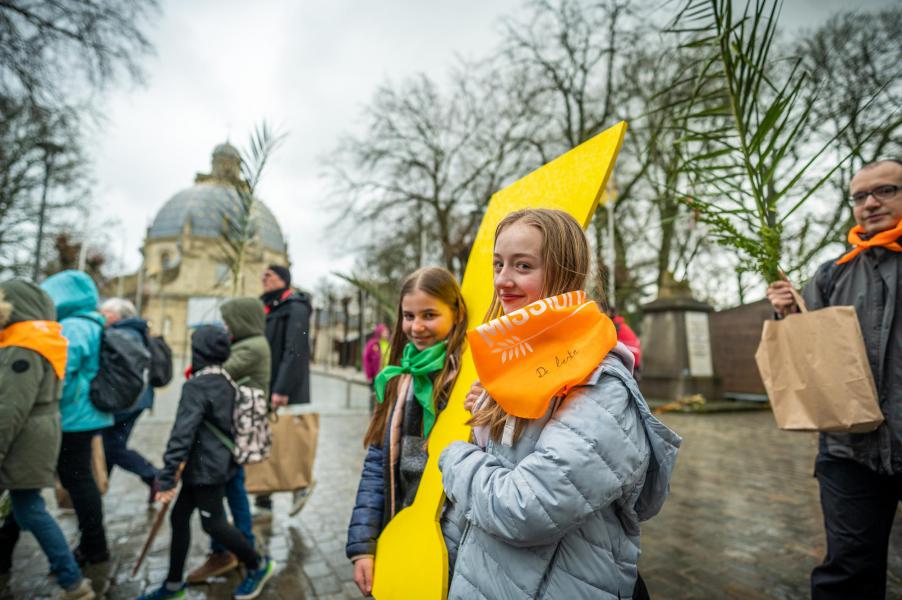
{"points": [[888, 239], [529, 356], [44, 337]]}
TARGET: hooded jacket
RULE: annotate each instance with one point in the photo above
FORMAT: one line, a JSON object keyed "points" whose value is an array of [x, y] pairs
{"points": [[75, 297], [204, 398], [287, 330], [136, 327], [250, 357], [557, 514], [29, 395]]}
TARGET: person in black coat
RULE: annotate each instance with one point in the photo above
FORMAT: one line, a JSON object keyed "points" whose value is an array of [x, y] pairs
{"points": [[207, 400], [288, 333]]}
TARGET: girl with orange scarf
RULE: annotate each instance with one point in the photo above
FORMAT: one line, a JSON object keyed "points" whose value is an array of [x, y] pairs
{"points": [[569, 459]]}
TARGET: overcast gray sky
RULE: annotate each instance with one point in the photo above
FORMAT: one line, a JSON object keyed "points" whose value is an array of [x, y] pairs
{"points": [[307, 67]]}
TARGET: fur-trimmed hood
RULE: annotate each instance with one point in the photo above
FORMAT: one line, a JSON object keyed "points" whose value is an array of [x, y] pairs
{"points": [[6, 309], [21, 300]]}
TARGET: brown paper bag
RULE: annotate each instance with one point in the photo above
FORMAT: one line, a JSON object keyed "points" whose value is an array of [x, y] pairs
{"points": [[816, 372], [98, 468], [289, 466]]}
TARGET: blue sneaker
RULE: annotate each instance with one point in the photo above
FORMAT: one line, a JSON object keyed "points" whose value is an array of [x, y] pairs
{"points": [[162, 593], [255, 580]]}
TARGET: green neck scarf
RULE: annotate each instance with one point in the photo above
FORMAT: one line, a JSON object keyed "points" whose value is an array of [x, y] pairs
{"points": [[419, 364]]}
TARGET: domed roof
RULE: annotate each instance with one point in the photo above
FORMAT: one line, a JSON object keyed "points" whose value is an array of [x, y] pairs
{"points": [[204, 205], [226, 149]]}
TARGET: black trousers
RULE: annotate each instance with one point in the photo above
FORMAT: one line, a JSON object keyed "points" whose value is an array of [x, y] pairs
{"points": [[77, 477], [208, 500], [859, 507]]}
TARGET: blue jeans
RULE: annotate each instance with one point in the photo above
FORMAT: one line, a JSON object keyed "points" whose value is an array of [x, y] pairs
{"points": [[115, 440], [31, 515], [240, 509]]}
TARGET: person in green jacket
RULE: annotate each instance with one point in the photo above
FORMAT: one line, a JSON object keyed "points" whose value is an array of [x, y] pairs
{"points": [[248, 364], [32, 366]]}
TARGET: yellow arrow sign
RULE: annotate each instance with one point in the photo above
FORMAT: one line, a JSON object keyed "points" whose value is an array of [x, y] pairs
{"points": [[411, 558]]}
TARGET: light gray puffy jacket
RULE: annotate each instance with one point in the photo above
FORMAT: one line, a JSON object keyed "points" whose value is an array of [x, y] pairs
{"points": [[557, 515]]}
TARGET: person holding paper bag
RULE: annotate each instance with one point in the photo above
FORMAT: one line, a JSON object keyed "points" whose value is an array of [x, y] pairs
{"points": [[571, 458], [860, 474]]}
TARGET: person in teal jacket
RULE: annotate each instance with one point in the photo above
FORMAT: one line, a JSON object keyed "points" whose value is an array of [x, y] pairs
{"points": [[76, 297]]}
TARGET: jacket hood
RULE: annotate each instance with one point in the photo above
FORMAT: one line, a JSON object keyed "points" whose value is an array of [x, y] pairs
{"points": [[135, 323], [274, 298], [245, 317], [209, 346], [73, 293], [24, 301], [664, 444]]}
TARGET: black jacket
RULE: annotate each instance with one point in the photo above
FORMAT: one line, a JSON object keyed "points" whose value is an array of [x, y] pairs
{"points": [[872, 283], [205, 397], [288, 334]]}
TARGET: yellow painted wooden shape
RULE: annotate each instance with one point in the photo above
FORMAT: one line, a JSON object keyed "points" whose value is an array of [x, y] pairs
{"points": [[411, 558]]}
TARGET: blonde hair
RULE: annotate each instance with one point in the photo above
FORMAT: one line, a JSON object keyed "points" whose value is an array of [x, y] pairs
{"points": [[6, 311], [566, 259], [441, 285]]}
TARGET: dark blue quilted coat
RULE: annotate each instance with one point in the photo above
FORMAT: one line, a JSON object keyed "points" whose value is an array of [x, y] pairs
{"points": [[371, 509]]}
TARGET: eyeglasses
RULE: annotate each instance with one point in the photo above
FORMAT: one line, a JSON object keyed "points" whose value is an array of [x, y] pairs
{"points": [[881, 192]]}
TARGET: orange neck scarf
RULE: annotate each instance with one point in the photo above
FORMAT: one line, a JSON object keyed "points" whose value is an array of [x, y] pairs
{"points": [[888, 239], [527, 357], [44, 337]]}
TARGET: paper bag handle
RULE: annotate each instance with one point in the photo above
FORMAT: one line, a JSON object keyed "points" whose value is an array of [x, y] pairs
{"points": [[800, 302]]}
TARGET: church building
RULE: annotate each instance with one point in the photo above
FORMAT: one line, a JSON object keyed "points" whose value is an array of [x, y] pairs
{"points": [[186, 272]]}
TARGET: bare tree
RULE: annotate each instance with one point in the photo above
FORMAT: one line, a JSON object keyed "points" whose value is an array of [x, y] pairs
{"points": [[39, 153], [854, 62], [51, 51], [430, 160]]}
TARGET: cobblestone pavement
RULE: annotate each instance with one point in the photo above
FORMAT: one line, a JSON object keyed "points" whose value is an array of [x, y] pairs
{"points": [[743, 520]]}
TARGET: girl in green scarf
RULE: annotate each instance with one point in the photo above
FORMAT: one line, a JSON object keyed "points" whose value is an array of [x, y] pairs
{"points": [[426, 345]]}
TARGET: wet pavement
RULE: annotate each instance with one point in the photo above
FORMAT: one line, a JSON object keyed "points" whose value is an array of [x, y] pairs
{"points": [[743, 520]]}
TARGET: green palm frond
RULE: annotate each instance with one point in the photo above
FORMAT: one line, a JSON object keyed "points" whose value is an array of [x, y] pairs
{"points": [[742, 114]]}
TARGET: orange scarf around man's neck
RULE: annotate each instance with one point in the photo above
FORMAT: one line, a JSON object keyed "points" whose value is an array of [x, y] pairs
{"points": [[888, 239], [44, 337]]}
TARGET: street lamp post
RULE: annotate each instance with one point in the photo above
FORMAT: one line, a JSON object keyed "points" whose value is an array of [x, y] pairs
{"points": [[50, 149]]}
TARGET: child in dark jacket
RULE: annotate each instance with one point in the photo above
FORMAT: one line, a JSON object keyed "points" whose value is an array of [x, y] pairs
{"points": [[208, 396]]}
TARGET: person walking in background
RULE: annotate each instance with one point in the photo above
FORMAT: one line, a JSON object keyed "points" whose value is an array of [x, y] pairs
{"points": [[860, 474], [75, 297], [32, 367], [628, 338], [375, 357], [287, 331], [121, 314], [248, 364], [207, 397]]}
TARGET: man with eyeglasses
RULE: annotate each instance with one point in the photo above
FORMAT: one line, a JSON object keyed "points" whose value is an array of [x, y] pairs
{"points": [[860, 474]]}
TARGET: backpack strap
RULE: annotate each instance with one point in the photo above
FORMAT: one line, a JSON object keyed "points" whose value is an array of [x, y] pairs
{"points": [[229, 444]]}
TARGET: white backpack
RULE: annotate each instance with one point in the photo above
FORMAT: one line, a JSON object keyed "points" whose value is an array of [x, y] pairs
{"points": [[250, 422]]}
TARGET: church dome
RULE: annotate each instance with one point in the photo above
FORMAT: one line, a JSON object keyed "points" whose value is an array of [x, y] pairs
{"points": [[226, 149], [203, 207]]}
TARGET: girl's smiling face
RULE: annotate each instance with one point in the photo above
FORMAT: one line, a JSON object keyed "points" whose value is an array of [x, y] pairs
{"points": [[519, 268], [426, 320]]}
